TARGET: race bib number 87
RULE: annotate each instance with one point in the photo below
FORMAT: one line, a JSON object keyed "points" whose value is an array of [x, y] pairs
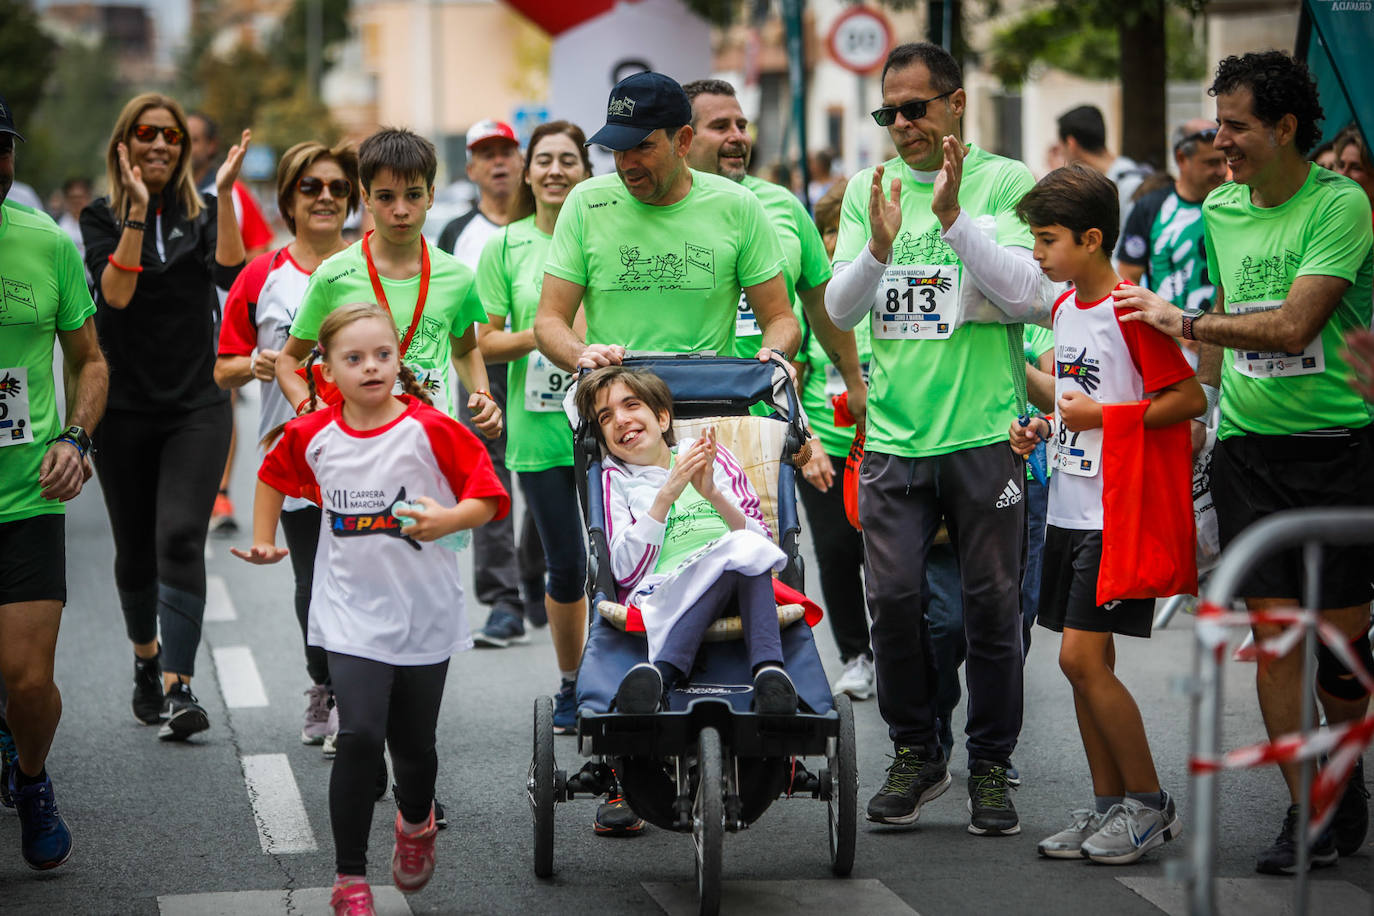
{"points": [[16, 426], [916, 302]]}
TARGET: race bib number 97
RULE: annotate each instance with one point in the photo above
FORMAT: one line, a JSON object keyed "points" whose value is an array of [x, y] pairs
{"points": [[1272, 364], [545, 384], [916, 302], [16, 426]]}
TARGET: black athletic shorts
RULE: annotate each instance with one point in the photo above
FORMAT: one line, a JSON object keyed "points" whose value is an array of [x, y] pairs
{"points": [[1068, 589], [1255, 476], [33, 559]]}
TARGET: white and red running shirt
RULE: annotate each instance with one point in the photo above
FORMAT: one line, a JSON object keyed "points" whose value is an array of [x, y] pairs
{"points": [[1111, 362], [379, 594], [257, 316]]}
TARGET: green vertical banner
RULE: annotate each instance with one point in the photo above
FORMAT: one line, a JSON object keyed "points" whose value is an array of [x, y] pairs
{"points": [[1334, 38], [796, 79]]}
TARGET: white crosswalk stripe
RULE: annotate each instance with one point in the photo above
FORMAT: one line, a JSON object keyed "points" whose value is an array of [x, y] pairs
{"points": [[239, 680], [283, 826]]}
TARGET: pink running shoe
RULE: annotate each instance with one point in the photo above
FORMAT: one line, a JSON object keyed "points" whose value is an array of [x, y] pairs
{"points": [[412, 862], [351, 897]]}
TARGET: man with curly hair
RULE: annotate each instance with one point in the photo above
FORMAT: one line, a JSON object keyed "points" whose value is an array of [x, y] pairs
{"points": [[1289, 248]]}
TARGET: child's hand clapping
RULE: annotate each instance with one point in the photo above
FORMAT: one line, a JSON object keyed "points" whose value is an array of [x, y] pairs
{"points": [[260, 554], [704, 480]]}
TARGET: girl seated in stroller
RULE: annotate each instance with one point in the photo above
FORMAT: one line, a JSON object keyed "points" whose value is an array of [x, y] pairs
{"points": [[688, 542]]}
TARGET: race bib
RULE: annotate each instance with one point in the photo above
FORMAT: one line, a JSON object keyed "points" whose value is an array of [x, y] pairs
{"points": [[1272, 364], [746, 325], [435, 384], [1080, 453], [916, 303], [16, 427], [545, 384]]}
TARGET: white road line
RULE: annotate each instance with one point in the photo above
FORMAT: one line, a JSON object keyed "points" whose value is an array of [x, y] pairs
{"points": [[238, 677], [282, 824], [218, 605]]}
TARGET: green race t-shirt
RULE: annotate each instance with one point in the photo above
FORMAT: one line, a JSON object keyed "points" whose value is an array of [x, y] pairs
{"points": [[822, 381], [663, 279], [692, 523], [808, 266], [451, 308], [42, 291], [510, 276], [930, 397], [1254, 254]]}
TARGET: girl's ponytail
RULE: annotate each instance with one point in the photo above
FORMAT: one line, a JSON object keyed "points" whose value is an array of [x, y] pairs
{"points": [[411, 385]]}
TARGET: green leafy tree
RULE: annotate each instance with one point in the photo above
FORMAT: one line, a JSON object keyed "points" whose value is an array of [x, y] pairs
{"points": [[26, 58], [82, 98]]}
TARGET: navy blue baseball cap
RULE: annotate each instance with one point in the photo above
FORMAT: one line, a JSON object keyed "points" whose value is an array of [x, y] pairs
{"points": [[7, 120], [638, 106]]}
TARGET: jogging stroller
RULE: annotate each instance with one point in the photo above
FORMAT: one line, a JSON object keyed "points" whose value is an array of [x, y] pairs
{"points": [[708, 764]]}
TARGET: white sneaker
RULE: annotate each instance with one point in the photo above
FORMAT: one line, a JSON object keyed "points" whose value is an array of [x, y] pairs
{"points": [[1068, 843], [857, 679], [328, 747], [1130, 830]]}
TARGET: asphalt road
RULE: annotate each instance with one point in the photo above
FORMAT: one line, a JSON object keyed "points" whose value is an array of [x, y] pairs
{"points": [[173, 828]]}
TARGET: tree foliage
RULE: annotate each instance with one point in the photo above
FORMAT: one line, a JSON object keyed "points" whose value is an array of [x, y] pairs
{"points": [[81, 99], [26, 58]]}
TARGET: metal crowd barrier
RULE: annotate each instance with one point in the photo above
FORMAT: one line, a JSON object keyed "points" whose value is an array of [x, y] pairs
{"points": [[1312, 530]]}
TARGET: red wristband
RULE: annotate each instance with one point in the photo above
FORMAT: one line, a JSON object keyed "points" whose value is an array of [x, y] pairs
{"points": [[136, 269]]}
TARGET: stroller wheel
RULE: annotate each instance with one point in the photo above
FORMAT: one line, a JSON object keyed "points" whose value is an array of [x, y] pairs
{"points": [[708, 821], [842, 806], [540, 787]]}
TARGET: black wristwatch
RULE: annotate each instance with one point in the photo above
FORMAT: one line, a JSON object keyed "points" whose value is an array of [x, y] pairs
{"points": [[76, 436]]}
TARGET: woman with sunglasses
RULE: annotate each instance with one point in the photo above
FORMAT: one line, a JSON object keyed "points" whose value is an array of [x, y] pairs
{"points": [[157, 251], [317, 187]]}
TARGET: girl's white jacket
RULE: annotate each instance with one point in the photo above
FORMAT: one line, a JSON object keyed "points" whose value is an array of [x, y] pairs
{"points": [[635, 540]]}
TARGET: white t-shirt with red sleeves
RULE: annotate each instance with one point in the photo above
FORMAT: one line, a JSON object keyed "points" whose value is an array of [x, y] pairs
{"points": [[379, 594], [1095, 353]]}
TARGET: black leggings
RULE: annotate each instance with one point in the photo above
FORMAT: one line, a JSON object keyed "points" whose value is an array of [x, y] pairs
{"points": [[381, 705], [159, 473], [302, 530]]}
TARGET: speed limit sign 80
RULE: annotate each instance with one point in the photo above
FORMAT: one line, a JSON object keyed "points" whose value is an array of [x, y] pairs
{"points": [[860, 39]]}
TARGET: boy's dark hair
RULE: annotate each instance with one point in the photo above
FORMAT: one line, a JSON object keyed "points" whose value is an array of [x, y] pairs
{"points": [[945, 75], [647, 386], [404, 152], [1280, 85], [1085, 125], [1077, 198]]}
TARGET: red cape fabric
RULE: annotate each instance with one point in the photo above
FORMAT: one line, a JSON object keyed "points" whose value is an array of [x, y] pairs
{"points": [[1149, 547], [782, 593]]}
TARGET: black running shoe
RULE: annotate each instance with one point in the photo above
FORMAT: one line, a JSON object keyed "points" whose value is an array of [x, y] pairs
{"points": [[1282, 857], [640, 691], [774, 693], [615, 817], [184, 714], [989, 801], [440, 820], [1351, 823], [912, 780], [148, 698]]}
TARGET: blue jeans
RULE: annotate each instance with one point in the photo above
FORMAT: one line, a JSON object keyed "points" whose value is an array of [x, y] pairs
{"points": [[944, 608]]}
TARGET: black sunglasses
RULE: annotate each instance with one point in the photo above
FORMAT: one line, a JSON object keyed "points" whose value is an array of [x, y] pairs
{"points": [[147, 133], [339, 188], [912, 111], [1206, 136]]}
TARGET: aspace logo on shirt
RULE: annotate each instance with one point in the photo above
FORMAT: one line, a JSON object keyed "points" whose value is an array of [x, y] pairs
{"points": [[358, 524], [1073, 362]]}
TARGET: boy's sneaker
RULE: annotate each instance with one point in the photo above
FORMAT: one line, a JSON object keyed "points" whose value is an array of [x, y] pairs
{"points": [[640, 691], [184, 714], [504, 628], [774, 693], [565, 709], [44, 837], [1351, 821], [1130, 830], [148, 698], [9, 760], [1282, 857], [912, 780], [614, 817], [222, 515], [412, 861], [858, 678], [1068, 843], [989, 801], [352, 897], [317, 718]]}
